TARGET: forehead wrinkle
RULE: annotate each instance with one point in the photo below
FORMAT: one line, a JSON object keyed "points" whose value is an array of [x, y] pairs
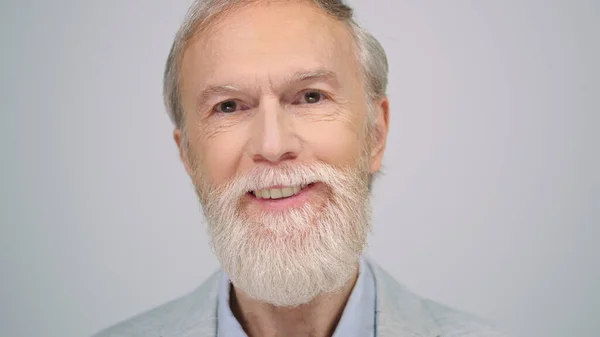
{"points": [[321, 74]]}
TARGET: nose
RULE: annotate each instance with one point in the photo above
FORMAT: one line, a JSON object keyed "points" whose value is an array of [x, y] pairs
{"points": [[273, 136]]}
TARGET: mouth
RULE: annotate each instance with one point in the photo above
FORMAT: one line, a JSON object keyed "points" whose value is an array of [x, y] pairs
{"points": [[276, 193], [282, 198]]}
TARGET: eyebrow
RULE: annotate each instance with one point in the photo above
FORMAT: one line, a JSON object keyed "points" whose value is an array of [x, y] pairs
{"points": [[298, 77], [214, 90]]}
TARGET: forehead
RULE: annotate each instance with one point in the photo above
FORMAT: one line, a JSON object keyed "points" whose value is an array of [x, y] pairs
{"points": [[267, 42]]}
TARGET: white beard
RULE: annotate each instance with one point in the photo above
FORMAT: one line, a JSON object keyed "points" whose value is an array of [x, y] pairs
{"points": [[287, 258]]}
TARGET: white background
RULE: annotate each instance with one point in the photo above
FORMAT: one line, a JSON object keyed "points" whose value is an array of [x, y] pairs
{"points": [[490, 200]]}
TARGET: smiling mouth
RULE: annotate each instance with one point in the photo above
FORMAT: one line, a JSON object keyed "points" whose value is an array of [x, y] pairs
{"points": [[279, 192]]}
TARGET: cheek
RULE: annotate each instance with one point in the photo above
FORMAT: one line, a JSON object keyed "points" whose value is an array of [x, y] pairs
{"points": [[338, 143], [219, 156]]}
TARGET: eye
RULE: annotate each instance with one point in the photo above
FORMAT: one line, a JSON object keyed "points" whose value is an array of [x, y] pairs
{"points": [[311, 97], [228, 106]]}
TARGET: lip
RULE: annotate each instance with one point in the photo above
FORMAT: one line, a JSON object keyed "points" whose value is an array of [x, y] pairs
{"points": [[282, 204]]}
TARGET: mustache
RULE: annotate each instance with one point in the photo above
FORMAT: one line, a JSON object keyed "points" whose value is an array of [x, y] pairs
{"points": [[284, 174], [350, 180]]}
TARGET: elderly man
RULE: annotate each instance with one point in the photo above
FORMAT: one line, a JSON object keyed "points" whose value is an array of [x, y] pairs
{"points": [[281, 118]]}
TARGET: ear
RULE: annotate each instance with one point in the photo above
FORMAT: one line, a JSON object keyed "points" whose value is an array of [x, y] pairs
{"points": [[380, 131], [178, 137]]}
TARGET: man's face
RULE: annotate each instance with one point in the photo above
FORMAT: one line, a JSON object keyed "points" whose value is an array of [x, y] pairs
{"points": [[278, 147]]}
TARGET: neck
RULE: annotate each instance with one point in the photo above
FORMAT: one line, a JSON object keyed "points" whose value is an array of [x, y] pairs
{"points": [[318, 318]]}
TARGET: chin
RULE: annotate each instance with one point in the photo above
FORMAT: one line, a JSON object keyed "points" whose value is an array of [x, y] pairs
{"points": [[289, 267]]}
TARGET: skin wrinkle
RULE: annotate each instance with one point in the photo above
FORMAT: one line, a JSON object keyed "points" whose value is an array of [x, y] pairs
{"points": [[210, 126], [301, 79], [313, 112]]}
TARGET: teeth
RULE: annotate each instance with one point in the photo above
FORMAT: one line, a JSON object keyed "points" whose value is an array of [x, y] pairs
{"points": [[265, 194], [275, 193], [287, 192], [278, 193]]}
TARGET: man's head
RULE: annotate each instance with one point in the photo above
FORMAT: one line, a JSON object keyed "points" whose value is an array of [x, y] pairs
{"points": [[281, 119]]}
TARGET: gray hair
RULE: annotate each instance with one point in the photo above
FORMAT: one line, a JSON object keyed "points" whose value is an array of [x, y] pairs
{"points": [[369, 52]]}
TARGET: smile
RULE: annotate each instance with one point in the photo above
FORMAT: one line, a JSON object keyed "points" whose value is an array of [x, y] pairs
{"points": [[278, 192]]}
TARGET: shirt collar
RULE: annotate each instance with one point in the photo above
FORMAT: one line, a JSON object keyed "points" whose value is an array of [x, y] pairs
{"points": [[358, 317]]}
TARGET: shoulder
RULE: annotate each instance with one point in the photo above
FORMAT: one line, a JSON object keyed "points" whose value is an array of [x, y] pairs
{"points": [[401, 311], [193, 313], [455, 323]]}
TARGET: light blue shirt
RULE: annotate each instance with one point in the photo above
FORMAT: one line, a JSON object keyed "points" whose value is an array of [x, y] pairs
{"points": [[358, 318]]}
